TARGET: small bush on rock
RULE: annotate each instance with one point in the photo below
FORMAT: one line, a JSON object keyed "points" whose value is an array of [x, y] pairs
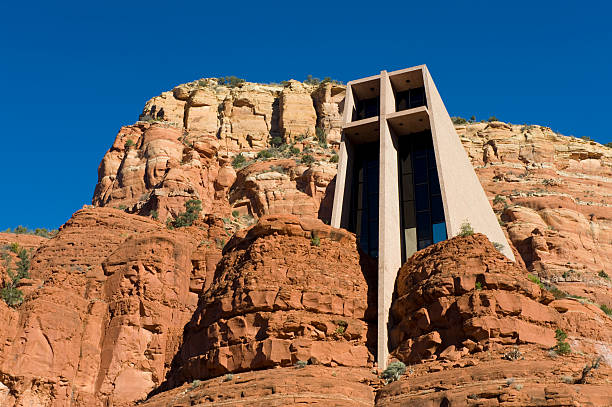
{"points": [[499, 199], [315, 241], [562, 347], [307, 159], [393, 372], [300, 364], [466, 229], [606, 309], [239, 161], [334, 158], [321, 136], [193, 208]]}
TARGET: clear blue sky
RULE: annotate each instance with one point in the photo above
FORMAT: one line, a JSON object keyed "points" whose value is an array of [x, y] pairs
{"points": [[72, 72]]}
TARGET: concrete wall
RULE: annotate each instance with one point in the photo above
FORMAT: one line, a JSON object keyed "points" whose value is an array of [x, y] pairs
{"points": [[462, 194], [342, 192], [389, 225]]}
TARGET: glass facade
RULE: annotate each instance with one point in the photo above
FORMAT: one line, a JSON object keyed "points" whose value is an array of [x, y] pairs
{"points": [[364, 199], [422, 211], [409, 99], [366, 108]]}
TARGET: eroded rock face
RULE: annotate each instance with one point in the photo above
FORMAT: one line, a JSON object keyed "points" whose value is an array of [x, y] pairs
{"points": [[283, 187], [104, 309], [156, 169], [552, 193], [278, 298], [288, 386], [297, 112], [473, 326], [463, 293]]}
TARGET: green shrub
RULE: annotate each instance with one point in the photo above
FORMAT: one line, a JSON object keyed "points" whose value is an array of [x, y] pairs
{"points": [[276, 141], [606, 309], [492, 119], [42, 232], [293, 151], [154, 214], [458, 120], [472, 119], [609, 145], [195, 383], [478, 285], [334, 158], [321, 136], [307, 159], [129, 143], [535, 279], [342, 325], [193, 207], [558, 294], [265, 154], [562, 347], [9, 291], [239, 161], [312, 81], [23, 265], [393, 372], [235, 214], [122, 207], [11, 294], [231, 81], [301, 364], [228, 377], [466, 229], [315, 241], [499, 199], [603, 274]]}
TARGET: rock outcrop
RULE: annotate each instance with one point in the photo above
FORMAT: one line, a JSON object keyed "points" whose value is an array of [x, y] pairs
{"points": [[290, 290], [476, 330], [104, 309]]}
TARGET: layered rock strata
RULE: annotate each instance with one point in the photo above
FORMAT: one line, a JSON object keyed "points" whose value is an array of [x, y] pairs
{"points": [[104, 310], [290, 290]]}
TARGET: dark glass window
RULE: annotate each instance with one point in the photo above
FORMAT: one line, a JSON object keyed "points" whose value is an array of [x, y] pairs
{"points": [[421, 198], [410, 99], [364, 199], [366, 108]]}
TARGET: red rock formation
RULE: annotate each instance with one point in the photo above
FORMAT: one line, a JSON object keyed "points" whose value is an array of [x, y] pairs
{"points": [[104, 310], [289, 386], [475, 330], [279, 297]]}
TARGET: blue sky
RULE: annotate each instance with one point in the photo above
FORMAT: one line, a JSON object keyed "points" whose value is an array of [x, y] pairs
{"points": [[72, 73]]}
